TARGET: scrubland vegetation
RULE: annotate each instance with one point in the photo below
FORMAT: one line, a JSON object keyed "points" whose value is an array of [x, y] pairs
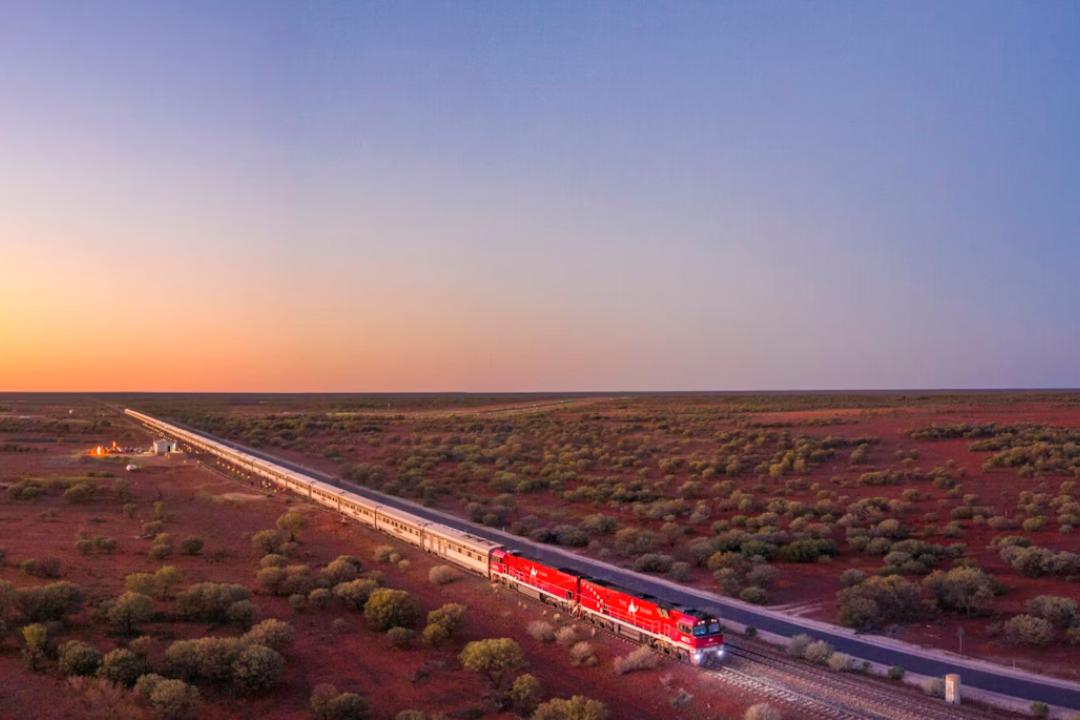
{"points": [[748, 495]]}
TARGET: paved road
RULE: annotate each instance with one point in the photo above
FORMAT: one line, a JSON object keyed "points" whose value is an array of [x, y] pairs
{"points": [[887, 652]]}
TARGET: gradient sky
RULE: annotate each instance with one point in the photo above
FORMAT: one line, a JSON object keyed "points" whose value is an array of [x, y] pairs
{"points": [[487, 196]]}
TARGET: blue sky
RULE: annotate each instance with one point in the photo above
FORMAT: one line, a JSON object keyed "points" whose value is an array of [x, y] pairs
{"points": [[578, 196]]}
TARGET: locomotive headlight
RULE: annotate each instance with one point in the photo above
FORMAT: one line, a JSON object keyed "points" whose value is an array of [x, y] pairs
{"points": [[697, 656], [720, 651]]}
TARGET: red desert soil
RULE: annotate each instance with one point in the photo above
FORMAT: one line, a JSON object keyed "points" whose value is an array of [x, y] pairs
{"points": [[810, 589], [226, 514]]}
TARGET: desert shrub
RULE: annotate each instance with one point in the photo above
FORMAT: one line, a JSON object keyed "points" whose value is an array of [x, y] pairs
{"points": [[445, 622], [160, 511], [106, 545], [242, 614], [268, 542], [653, 563], [754, 594], [496, 659], [566, 635], [582, 653], [339, 626], [851, 577], [797, 645], [576, 708], [191, 545], [272, 633], [525, 692], [679, 571], [143, 583], [121, 667], [962, 589], [934, 687], [761, 711], [130, 509], [48, 567], [411, 715], [401, 638], [1034, 524], [807, 551], [542, 631], [328, 704], [270, 579], [210, 601], [319, 598], [896, 672], [129, 610], [142, 645], [36, 638], [382, 554], [256, 669], [160, 551], [52, 602], [818, 652], [26, 490], [355, 594], [841, 662], [641, 659], [84, 546], [81, 493], [1029, 630], [298, 602], [169, 699], [1059, 611], [79, 658], [763, 575], [599, 524], [166, 577], [292, 523], [387, 608], [878, 599], [1039, 709], [571, 536], [442, 574], [273, 560], [152, 528], [345, 568]]}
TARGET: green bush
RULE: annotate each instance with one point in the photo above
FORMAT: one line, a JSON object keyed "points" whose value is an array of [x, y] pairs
{"points": [[328, 704], [387, 608], [355, 594], [78, 658], [210, 601], [576, 708], [192, 545], [442, 574], [257, 669], [169, 699], [129, 610], [52, 602], [401, 638], [274, 634], [896, 672], [496, 659], [121, 667]]}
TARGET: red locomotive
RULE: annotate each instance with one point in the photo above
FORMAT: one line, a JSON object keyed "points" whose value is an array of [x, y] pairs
{"points": [[684, 632]]}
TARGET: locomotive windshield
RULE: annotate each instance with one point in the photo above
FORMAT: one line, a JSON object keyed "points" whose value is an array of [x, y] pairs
{"points": [[706, 627]]}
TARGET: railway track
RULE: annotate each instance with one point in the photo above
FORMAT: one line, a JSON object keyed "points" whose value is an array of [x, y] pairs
{"points": [[829, 694]]}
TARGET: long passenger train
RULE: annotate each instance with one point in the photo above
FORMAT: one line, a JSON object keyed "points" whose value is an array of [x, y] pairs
{"points": [[686, 633]]}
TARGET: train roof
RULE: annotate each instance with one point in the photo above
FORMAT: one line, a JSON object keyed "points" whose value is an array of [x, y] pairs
{"points": [[453, 534], [401, 516]]}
